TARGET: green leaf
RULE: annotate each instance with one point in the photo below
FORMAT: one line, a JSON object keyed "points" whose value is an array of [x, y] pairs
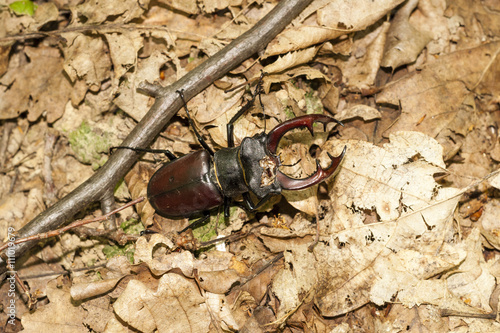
{"points": [[24, 7]]}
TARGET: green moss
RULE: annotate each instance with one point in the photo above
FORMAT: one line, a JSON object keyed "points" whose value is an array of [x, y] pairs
{"points": [[91, 146], [127, 250], [288, 113], [313, 103], [132, 226], [207, 231]]}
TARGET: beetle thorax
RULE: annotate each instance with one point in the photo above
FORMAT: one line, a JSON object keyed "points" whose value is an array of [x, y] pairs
{"points": [[259, 166], [247, 168]]}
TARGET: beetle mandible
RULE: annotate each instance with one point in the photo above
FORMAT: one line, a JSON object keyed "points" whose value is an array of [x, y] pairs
{"points": [[202, 180]]}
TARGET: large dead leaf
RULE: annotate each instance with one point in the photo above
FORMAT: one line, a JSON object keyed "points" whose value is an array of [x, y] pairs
{"points": [[176, 306], [404, 42], [60, 315], [361, 70], [98, 11], [86, 58], [333, 19], [440, 88], [215, 270], [396, 258], [123, 49], [479, 18], [40, 70], [130, 100]]}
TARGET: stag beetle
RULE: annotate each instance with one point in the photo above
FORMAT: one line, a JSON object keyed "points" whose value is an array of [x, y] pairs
{"points": [[202, 180]]}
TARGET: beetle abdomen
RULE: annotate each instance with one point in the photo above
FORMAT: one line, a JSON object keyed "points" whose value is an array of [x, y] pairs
{"points": [[183, 186]]}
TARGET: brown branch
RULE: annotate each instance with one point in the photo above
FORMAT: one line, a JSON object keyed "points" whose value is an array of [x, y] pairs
{"points": [[166, 105]]}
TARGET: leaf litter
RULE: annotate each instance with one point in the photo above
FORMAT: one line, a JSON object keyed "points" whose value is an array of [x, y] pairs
{"points": [[408, 226]]}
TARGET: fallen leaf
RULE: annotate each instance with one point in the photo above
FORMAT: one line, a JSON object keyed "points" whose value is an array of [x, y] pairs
{"points": [[438, 89], [41, 70], [86, 58], [146, 310], [49, 319], [335, 19], [130, 100], [123, 49], [365, 112], [291, 59], [404, 42], [123, 11]]}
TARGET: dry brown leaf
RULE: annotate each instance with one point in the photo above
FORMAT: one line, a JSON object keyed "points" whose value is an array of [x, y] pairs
{"points": [[472, 281], [86, 58], [4, 58], [176, 306], [219, 308], [186, 6], [130, 100], [60, 315], [99, 311], [479, 18], [218, 282], [423, 318], [489, 223], [440, 87], [123, 49], [375, 262], [212, 266], [87, 290], [158, 261], [404, 42], [46, 12], [365, 112], [293, 284], [335, 19], [211, 6], [122, 10], [48, 87], [291, 59], [361, 69], [388, 170], [214, 103]]}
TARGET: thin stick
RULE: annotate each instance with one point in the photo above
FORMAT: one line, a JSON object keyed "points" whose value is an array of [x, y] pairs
{"points": [[57, 232]]}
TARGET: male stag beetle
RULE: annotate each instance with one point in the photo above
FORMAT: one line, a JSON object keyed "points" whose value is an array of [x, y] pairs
{"points": [[202, 180]]}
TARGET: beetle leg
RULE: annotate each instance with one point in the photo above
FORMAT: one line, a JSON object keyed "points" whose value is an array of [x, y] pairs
{"points": [[308, 121], [227, 205], [196, 223], [250, 205]]}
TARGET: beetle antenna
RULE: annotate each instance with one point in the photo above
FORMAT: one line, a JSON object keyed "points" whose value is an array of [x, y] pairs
{"points": [[166, 152]]}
